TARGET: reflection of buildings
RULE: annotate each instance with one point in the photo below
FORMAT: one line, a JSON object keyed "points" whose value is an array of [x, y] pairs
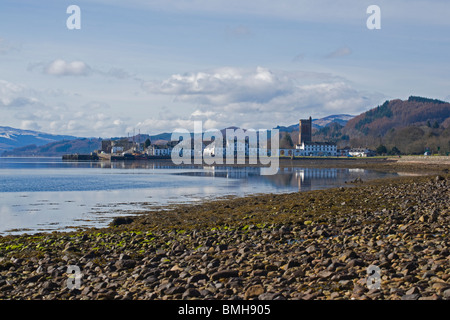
{"points": [[307, 175]]}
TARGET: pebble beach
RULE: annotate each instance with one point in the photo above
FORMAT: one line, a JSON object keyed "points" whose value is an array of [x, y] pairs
{"points": [[315, 245]]}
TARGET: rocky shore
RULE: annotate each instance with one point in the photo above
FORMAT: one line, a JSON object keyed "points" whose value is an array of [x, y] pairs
{"points": [[306, 245]]}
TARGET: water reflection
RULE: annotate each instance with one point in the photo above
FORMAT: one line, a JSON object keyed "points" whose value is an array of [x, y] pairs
{"points": [[49, 194]]}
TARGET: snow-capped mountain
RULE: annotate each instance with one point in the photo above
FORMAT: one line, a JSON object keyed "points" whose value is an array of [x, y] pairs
{"points": [[320, 123], [11, 138], [339, 118]]}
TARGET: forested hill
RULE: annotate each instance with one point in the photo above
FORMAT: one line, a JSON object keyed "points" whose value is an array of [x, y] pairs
{"points": [[407, 126], [416, 111]]}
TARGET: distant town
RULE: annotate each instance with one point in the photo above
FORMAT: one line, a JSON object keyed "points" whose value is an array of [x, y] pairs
{"points": [[134, 149]]}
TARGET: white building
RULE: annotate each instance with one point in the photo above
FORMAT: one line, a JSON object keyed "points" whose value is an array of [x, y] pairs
{"points": [[317, 149], [361, 152]]}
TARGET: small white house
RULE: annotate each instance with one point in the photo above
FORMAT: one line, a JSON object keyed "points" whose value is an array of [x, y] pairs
{"points": [[360, 152]]}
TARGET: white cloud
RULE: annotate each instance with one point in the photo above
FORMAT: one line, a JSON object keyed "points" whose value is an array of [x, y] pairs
{"points": [[29, 109], [16, 95], [223, 86], [257, 98], [30, 125], [61, 67]]}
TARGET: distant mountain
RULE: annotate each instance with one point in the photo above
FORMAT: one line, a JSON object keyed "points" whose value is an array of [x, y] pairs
{"points": [[11, 138], [57, 148], [411, 126], [342, 119]]}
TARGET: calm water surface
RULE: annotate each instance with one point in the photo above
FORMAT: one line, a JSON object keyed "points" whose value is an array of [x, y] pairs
{"points": [[47, 194]]}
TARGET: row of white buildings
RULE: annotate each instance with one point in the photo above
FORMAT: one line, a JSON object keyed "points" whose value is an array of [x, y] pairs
{"points": [[311, 149], [239, 147]]}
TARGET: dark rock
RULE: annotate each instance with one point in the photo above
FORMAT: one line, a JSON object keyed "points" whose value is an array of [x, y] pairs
{"points": [[125, 264], [292, 263], [224, 274], [32, 279], [271, 267], [124, 256], [259, 266], [416, 248], [191, 293], [411, 266], [121, 221], [197, 277], [49, 285], [259, 273], [222, 247], [175, 290]]}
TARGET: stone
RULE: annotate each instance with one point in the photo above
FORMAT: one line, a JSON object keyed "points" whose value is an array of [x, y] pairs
{"points": [[224, 274], [416, 248], [446, 294], [413, 290], [440, 286], [325, 274], [197, 277], [121, 221], [270, 296], [334, 295], [253, 291], [428, 274], [311, 249], [271, 267], [125, 264], [191, 293], [432, 297], [414, 296], [174, 290]]}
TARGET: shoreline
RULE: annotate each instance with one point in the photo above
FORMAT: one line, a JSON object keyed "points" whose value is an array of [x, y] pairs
{"points": [[311, 245]]}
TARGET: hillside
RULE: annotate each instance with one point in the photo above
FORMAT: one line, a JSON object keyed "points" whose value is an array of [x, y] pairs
{"points": [[416, 111], [410, 126], [56, 149], [11, 138]]}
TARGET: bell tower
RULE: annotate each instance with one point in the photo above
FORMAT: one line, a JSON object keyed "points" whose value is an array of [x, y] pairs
{"points": [[305, 131]]}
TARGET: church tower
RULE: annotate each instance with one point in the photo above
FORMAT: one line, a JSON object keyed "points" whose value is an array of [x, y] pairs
{"points": [[305, 131]]}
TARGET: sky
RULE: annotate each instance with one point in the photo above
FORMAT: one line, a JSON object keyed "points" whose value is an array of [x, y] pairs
{"points": [[155, 66]]}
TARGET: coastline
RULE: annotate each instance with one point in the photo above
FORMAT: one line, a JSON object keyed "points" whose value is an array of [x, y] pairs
{"points": [[304, 245]]}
